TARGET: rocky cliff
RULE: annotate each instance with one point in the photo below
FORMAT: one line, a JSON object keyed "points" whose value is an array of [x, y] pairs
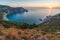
{"points": [[52, 21], [11, 10]]}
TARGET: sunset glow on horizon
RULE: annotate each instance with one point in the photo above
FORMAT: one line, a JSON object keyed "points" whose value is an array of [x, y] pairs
{"points": [[31, 3]]}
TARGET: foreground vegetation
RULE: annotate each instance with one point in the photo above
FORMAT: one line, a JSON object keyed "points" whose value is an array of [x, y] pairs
{"points": [[7, 24], [23, 31], [26, 34]]}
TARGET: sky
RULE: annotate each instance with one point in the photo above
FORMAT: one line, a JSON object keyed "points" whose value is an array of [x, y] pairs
{"points": [[31, 3]]}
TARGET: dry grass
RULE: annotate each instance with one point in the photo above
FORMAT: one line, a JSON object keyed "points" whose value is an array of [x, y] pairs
{"points": [[25, 34]]}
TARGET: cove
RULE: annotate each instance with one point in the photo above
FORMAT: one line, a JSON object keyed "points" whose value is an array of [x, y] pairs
{"points": [[18, 17]]}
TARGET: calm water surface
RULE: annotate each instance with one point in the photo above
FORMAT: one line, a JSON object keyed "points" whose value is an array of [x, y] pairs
{"points": [[33, 15]]}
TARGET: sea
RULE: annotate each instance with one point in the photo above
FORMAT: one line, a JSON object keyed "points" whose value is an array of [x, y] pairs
{"points": [[33, 15]]}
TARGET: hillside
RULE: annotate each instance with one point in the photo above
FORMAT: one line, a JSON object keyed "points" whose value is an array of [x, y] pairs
{"points": [[19, 25], [10, 10], [53, 21], [52, 25]]}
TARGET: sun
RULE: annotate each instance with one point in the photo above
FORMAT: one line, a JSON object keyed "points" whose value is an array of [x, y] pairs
{"points": [[50, 7]]}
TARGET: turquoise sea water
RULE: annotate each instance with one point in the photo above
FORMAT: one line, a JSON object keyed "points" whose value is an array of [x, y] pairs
{"points": [[33, 15]]}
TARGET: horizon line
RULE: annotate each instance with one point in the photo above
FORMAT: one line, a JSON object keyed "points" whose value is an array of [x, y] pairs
{"points": [[36, 6]]}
